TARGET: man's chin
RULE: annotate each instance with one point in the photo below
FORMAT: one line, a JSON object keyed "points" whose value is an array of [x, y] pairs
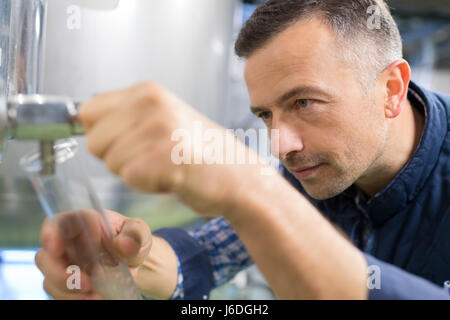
{"points": [[320, 191]]}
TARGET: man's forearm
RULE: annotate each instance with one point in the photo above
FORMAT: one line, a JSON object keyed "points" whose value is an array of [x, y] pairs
{"points": [[298, 250]]}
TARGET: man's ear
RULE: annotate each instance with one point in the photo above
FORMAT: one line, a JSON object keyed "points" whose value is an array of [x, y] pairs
{"points": [[396, 78]]}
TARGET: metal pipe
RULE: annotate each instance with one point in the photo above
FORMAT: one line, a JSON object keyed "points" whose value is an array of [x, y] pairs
{"points": [[45, 119], [22, 37], [5, 16], [47, 158], [26, 46]]}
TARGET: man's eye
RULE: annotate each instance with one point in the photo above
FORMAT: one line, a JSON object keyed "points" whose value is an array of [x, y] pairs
{"points": [[265, 115], [303, 103]]}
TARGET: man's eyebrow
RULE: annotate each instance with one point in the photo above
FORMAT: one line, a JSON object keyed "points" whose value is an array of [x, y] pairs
{"points": [[305, 91], [258, 110]]}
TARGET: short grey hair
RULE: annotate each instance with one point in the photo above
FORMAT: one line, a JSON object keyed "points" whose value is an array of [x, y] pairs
{"points": [[366, 30]]}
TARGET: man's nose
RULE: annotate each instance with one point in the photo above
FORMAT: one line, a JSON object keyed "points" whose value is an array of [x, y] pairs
{"points": [[285, 139]]}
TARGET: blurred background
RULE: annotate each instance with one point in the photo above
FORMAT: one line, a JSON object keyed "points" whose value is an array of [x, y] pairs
{"points": [[188, 47]]}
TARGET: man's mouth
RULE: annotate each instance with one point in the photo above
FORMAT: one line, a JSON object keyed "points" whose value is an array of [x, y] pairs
{"points": [[307, 172]]}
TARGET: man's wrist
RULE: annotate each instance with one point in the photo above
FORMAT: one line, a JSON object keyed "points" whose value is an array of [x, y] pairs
{"points": [[253, 194], [157, 276]]}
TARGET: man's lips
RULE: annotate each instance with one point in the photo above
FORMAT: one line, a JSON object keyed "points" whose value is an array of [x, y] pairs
{"points": [[303, 173]]}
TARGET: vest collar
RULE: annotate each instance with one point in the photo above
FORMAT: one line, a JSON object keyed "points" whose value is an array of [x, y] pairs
{"points": [[412, 178]]}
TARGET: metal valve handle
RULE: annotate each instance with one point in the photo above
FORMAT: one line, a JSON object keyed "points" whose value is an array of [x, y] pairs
{"points": [[41, 118]]}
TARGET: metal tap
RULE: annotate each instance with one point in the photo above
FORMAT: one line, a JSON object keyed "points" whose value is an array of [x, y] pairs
{"points": [[40, 118], [24, 114]]}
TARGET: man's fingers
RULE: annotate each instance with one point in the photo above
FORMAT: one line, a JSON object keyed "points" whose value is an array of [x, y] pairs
{"points": [[93, 110], [134, 241], [51, 238], [104, 133], [126, 149], [90, 111], [55, 272]]}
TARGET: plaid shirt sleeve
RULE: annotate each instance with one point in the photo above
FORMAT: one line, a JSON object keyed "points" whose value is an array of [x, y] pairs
{"points": [[226, 252], [178, 294], [219, 256]]}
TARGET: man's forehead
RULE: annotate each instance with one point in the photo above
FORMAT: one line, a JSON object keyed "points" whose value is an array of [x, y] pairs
{"points": [[306, 51], [306, 43]]}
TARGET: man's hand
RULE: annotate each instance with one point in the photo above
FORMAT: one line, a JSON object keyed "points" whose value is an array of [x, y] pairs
{"points": [[69, 240], [131, 130]]}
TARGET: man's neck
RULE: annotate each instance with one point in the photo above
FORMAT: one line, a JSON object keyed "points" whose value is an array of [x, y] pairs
{"points": [[404, 138]]}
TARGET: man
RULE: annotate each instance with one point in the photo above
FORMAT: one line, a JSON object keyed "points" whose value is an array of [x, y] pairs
{"points": [[368, 149]]}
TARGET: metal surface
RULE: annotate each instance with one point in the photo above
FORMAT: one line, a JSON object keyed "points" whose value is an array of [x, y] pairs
{"points": [[22, 34], [184, 45], [3, 120], [5, 17], [26, 46], [40, 118], [47, 156]]}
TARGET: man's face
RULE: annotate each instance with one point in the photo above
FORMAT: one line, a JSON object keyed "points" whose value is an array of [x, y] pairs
{"points": [[300, 84]]}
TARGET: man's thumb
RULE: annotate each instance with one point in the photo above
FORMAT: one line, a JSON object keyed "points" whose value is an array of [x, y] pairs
{"points": [[134, 241]]}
